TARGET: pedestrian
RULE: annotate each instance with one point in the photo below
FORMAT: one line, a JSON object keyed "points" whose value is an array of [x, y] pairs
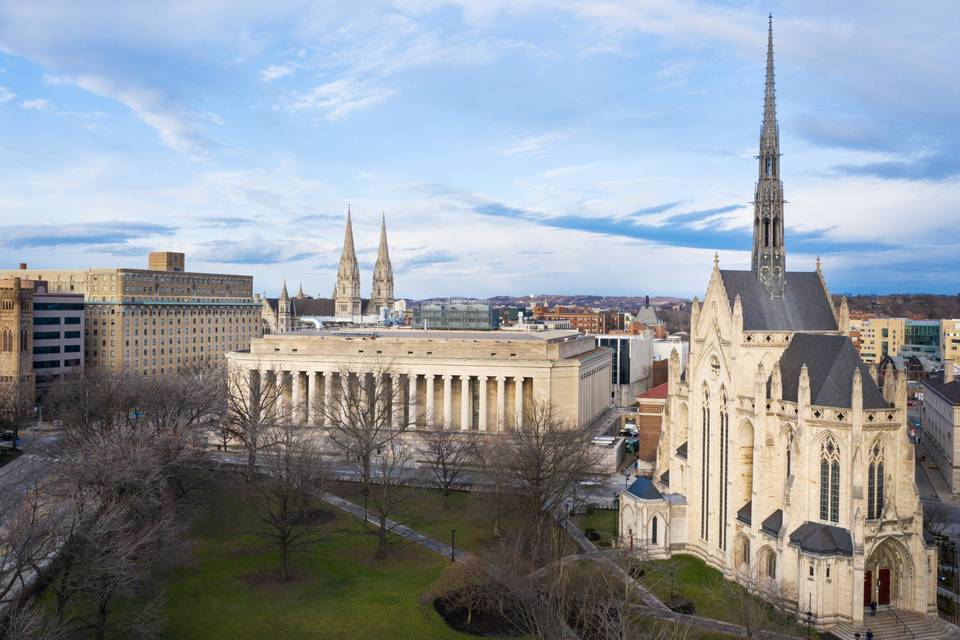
{"points": [[856, 635], [873, 608], [869, 634]]}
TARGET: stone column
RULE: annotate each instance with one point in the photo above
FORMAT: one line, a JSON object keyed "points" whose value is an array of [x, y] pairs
{"points": [[465, 414], [296, 397], [396, 399], [431, 410], [482, 409], [344, 402], [412, 400], [447, 401], [518, 399], [312, 397], [501, 403], [327, 396]]}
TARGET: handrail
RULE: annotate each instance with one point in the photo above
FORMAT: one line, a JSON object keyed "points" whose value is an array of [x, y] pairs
{"points": [[900, 620]]}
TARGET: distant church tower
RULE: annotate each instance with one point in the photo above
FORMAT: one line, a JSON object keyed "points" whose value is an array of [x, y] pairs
{"points": [[347, 293], [769, 254], [284, 311], [382, 293]]}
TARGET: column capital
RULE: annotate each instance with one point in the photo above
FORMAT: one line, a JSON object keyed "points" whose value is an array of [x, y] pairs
{"points": [[501, 378], [447, 377]]}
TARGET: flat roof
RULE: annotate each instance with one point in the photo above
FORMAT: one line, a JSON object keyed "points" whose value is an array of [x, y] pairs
{"points": [[557, 335]]}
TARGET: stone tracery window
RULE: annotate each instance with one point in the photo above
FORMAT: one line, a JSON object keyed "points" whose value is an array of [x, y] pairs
{"points": [[790, 436], [705, 466], [6, 340], [829, 480], [724, 466], [875, 482]]}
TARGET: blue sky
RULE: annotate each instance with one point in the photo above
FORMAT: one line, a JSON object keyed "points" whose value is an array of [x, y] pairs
{"points": [[516, 146]]}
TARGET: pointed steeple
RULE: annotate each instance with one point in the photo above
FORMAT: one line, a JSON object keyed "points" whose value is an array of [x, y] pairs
{"points": [[382, 292], [300, 294], [769, 254], [284, 311], [347, 293], [283, 292]]}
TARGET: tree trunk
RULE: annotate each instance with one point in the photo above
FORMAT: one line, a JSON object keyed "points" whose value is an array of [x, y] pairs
{"points": [[284, 561], [446, 498]]}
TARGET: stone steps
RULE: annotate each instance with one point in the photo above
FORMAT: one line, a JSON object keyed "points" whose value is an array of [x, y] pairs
{"points": [[886, 626]]}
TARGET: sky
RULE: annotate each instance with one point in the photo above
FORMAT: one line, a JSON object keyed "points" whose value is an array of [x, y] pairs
{"points": [[515, 146]]}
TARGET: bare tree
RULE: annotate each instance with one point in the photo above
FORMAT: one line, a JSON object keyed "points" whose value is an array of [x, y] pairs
{"points": [[255, 406], [366, 421], [288, 492], [489, 454], [446, 455], [388, 468], [365, 415], [547, 459], [124, 443]]}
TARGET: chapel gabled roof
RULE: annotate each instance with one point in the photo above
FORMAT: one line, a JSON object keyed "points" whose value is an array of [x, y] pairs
{"points": [[822, 539], [804, 305], [831, 361], [643, 488]]}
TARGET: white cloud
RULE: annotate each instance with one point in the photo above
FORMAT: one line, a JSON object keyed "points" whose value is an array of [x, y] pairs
{"points": [[276, 71], [339, 98], [531, 145], [6, 95], [36, 104]]}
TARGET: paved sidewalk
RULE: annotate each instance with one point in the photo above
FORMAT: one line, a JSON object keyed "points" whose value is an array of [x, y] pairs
{"points": [[934, 478], [396, 528]]}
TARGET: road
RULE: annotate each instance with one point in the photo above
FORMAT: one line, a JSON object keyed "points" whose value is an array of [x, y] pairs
{"points": [[33, 464]]}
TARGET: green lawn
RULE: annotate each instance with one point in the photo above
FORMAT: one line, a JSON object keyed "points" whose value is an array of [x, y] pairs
{"points": [[229, 589], [603, 521], [471, 514], [705, 587]]}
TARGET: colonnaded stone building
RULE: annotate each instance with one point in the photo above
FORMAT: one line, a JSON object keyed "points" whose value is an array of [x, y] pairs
{"points": [[284, 314], [466, 381], [782, 462]]}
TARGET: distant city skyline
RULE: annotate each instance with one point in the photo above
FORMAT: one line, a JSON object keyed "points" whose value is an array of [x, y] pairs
{"points": [[589, 148]]}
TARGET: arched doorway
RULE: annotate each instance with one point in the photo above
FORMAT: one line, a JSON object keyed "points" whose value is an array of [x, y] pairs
{"points": [[888, 576]]}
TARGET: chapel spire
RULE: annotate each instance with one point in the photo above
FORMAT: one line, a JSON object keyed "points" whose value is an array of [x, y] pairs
{"points": [[382, 292], [347, 293], [769, 254]]}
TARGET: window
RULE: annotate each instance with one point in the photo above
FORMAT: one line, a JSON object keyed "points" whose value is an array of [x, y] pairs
{"points": [[653, 530], [71, 320], [875, 483], [50, 349], [71, 334], [724, 467], [47, 321], [6, 340], [705, 467], [829, 480]]}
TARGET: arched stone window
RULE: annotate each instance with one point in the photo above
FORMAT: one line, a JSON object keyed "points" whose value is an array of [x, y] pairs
{"points": [[653, 530], [23, 340], [724, 466], [875, 482], [790, 436], [705, 465], [829, 480], [6, 340]]}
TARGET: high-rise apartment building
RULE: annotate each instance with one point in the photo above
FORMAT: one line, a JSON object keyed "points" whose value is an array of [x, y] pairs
{"points": [[880, 337], [158, 320]]}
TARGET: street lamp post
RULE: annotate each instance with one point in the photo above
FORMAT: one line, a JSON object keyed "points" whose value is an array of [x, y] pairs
{"points": [[453, 545], [626, 480]]}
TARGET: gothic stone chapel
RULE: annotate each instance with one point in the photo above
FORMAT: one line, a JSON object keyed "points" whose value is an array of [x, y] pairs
{"points": [[782, 463]]}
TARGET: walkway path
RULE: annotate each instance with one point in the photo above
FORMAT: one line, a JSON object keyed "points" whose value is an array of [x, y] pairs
{"points": [[401, 530]]}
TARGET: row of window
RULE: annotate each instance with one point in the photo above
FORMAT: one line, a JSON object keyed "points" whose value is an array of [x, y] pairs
{"points": [[54, 335], [56, 320], [69, 348], [55, 364]]}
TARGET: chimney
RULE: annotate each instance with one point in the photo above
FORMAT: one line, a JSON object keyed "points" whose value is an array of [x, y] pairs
{"points": [[23, 266], [947, 371]]}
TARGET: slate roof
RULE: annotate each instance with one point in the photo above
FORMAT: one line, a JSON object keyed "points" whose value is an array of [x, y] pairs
{"points": [[745, 513], [657, 392], [682, 451], [949, 392], [822, 539], [773, 523], [643, 488], [665, 478], [314, 306], [831, 361], [803, 307]]}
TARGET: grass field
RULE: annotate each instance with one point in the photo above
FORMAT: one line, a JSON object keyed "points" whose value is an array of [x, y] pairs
{"points": [[705, 587], [471, 514], [603, 521], [230, 589]]}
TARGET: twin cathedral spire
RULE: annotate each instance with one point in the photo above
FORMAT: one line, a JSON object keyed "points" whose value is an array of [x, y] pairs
{"points": [[346, 294], [769, 262]]}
